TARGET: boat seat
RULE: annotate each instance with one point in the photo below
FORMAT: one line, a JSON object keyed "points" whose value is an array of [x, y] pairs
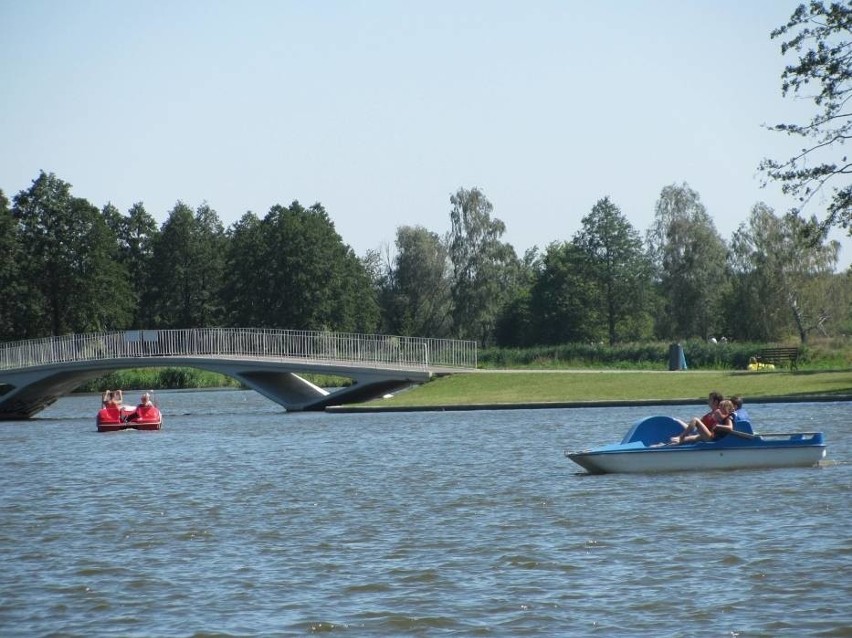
{"points": [[652, 430], [743, 425]]}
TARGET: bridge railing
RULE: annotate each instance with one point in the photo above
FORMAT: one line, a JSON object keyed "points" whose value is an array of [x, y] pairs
{"points": [[384, 350]]}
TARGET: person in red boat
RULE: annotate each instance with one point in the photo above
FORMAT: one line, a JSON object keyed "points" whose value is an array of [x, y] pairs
{"points": [[112, 399], [141, 409]]}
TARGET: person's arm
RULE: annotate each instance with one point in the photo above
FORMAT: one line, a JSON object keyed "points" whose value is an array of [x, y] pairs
{"points": [[727, 424]]}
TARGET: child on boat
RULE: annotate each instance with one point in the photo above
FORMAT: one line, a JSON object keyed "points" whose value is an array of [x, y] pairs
{"points": [[714, 425]]}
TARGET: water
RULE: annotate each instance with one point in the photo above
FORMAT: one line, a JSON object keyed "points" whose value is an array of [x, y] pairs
{"points": [[239, 520]]}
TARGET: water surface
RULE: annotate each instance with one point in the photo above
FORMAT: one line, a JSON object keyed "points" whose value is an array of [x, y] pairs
{"points": [[238, 519]]}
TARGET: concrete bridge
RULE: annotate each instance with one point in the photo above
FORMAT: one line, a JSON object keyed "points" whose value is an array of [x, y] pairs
{"points": [[34, 373]]}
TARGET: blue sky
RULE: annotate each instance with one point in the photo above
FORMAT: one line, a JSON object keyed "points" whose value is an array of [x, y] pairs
{"points": [[381, 110]]}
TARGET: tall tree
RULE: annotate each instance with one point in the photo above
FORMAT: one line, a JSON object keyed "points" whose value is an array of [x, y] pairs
{"points": [[137, 234], [485, 270], [186, 275], [14, 299], [820, 35], [209, 265], [292, 270], [71, 256], [617, 265], [245, 286], [516, 325], [563, 298], [689, 258], [784, 283], [418, 295]]}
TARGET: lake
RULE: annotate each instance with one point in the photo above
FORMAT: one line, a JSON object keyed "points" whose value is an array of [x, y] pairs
{"points": [[238, 519]]}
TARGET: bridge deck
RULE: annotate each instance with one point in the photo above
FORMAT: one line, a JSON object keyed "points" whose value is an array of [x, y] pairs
{"points": [[35, 373]]}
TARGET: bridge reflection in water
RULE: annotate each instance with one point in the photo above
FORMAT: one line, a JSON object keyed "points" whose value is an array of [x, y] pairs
{"points": [[34, 373]]}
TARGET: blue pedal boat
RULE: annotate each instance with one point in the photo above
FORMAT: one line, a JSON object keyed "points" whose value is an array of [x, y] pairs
{"points": [[645, 448]]}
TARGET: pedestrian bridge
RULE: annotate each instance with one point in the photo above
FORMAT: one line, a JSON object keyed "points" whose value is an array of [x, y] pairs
{"points": [[34, 373]]}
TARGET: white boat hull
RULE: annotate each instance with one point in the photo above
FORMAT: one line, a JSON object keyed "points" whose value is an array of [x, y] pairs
{"points": [[679, 460], [645, 448]]}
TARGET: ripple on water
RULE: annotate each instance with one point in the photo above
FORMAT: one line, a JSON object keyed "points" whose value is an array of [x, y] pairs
{"points": [[465, 523]]}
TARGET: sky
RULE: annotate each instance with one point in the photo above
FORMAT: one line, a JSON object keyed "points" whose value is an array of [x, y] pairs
{"points": [[380, 110]]}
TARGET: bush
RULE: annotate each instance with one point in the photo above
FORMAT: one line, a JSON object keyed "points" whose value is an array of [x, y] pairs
{"points": [[700, 355]]}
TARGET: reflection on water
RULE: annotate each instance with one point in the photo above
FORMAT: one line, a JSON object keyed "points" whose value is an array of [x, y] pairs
{"points": [[238, 519]]}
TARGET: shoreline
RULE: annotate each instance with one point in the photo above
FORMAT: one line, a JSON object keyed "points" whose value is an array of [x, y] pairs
{"points": [[350, 409]]}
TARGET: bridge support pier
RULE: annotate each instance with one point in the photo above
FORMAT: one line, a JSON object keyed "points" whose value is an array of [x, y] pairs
{"points": [[25, 393]]}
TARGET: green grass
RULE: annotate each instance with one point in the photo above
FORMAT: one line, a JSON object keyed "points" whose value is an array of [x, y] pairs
{"points": [[511, 387]]}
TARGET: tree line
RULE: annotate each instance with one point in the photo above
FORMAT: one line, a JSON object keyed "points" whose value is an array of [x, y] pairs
{"points": [[67, 266]]}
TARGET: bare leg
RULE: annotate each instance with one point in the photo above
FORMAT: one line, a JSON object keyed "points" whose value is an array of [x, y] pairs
{"points": [[686, 428], [703, 431]]}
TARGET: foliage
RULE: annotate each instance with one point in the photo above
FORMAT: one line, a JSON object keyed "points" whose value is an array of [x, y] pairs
{"points": [[689, 257], [137, 234], [187, 269], [158, 379], [68, 267], [485, 270], [563, 298], [616, 264], [820, 34], [13, 300], [782, 281], [186, 378], [292, 270], [74, 282], [516, 323], [416, 292], [654, 355]]}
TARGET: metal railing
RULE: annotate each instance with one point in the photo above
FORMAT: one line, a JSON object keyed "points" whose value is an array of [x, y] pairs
{"points": [[304, 345]]}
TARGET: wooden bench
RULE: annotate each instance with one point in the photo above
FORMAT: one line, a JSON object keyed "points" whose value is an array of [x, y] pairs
{"points": [[779, 356]]}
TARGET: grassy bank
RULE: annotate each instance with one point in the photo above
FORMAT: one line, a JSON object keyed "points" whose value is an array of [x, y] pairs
{"points": [[512, 387]]}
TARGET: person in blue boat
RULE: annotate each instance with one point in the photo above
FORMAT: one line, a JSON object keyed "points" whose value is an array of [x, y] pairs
{"points": [[713, 426], [739, 411]]}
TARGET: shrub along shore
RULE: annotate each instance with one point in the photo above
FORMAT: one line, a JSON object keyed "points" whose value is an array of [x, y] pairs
{"points": [[577, 374]]}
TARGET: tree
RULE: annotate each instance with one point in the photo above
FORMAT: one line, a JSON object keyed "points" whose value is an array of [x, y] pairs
{"points": [[617, 265], [689, 260], [137, 234], [245, 287], [208, 266], [417, 296], [292, 270], [820, 34], [14, 298], [516, 324], [783, 281], [187, 269], [74, 280], [485, 269], [563, 298]]}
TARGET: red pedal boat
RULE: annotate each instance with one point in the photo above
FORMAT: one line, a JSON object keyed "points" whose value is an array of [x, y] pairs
{"points": [[142, 417]]}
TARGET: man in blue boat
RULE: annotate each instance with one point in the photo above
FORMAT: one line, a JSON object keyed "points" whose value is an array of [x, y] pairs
{"points": [[739, 411]]}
